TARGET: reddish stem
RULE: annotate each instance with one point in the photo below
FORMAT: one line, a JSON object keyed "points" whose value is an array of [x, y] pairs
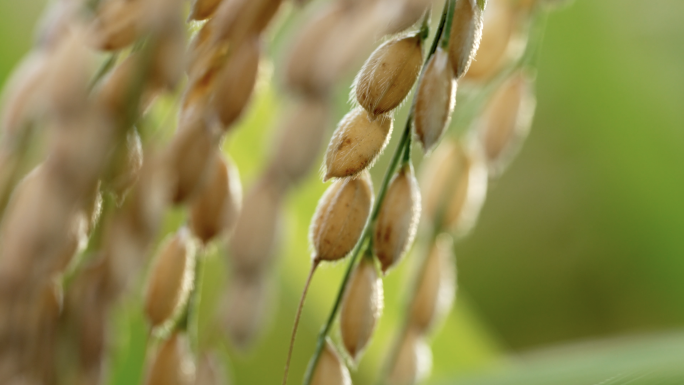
{"points": [[314, 265]]}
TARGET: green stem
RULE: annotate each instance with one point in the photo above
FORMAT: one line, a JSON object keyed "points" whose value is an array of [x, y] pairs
{"points": [[370, 223], [451, 4], [440, 29], [407, 148], [425, 24], [107, 65]]}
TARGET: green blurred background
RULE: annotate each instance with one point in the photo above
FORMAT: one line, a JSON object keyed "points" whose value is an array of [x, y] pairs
{"points": [[582, 238]]}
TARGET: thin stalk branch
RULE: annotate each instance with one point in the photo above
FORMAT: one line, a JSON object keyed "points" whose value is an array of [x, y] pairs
{"points": [[314, 265]]}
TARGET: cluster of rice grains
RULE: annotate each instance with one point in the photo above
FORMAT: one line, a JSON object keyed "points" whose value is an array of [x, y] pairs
{"points": [[77, 229], [376, 235]]}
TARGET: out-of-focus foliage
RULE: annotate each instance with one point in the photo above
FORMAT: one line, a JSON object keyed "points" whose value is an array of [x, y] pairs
{"points": [[580, 239], [649, 360]]}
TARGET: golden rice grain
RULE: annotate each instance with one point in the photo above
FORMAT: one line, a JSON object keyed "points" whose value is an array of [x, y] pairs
{"points": [[499, 25], [75, 224], [173, 363], [506, 120], [436, 286], [160, 14], [349, 42], [215, 209], [206, 54], [210, 370], [245, 308], [167, 53], [465, 35], [406, 14], [70, 69], [117, 24], [389, 74], [340, 217], [435, 100], [190, 159], [203, 9], [454, 185], [301, 64], [253, 242], [300, 138], [413, 360], [357, 142], [330, 370], [33, 235], [361, 308], [80, 146], [238, 19], [235, 83], [398, 218], [114, 91], [170, 279]]}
